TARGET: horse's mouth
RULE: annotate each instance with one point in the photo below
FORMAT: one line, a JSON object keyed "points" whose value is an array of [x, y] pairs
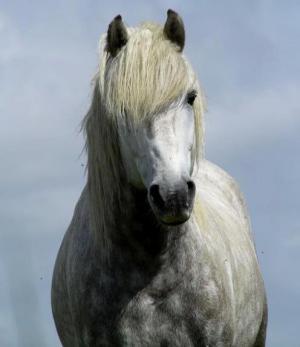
{"points": [[173, 217], [174, 220]]}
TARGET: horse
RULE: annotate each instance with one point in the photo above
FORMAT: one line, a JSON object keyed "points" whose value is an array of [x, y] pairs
{"points": [[159, 251]]}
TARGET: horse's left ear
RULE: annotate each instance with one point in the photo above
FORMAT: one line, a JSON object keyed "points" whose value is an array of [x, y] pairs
{"points": [[117, 36], [174, 29]]}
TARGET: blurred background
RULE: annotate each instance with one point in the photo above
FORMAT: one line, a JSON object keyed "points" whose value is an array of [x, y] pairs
{"points": [[247, 57]]}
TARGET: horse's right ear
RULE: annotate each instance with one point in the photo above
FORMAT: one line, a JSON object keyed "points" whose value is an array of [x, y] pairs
{"points": [[117, 36]]}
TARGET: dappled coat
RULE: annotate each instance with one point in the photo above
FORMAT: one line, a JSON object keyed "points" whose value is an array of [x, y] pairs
{"points": [[159, 251]]}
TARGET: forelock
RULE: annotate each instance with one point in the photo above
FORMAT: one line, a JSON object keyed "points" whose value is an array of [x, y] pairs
{"points": [[148, 74]]}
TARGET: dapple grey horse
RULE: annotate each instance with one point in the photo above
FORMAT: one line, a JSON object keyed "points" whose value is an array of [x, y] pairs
{"points": [[159, 251]]}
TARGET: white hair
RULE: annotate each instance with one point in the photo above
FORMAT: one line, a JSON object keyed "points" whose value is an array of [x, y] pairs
{"points": [[147, 75]]}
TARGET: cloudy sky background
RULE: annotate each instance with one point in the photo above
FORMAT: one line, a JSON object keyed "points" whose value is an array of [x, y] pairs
{"points": [[247, 56]]}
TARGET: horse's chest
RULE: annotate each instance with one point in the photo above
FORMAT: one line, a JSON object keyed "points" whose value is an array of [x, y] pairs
{"points": [[166, 312], [175, 320]]}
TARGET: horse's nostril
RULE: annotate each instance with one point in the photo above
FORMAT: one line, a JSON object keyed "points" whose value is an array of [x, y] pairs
{"points": [[155, 196], [191, 189]]}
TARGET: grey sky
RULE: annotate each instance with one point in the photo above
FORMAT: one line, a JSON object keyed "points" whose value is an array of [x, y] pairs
{"points": [[247, 57]]}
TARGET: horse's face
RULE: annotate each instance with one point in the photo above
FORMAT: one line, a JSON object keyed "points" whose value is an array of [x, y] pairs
{"points": [[157, 150], [158, 155]]}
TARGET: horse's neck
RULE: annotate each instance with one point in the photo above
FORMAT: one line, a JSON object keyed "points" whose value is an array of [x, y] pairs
{"points": [[137, 234]]}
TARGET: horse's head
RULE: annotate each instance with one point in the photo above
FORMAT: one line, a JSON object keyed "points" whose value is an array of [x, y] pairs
{"points": [[154, 96]]}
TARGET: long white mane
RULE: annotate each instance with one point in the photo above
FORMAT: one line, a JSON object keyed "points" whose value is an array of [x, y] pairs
{"points": [[146, 76]]}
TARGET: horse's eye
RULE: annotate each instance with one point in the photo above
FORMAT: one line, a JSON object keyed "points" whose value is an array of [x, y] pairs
{"points": [[191, 96]]}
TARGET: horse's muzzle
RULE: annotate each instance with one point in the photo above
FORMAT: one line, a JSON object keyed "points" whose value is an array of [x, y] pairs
{"points": [[172, 205]]}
